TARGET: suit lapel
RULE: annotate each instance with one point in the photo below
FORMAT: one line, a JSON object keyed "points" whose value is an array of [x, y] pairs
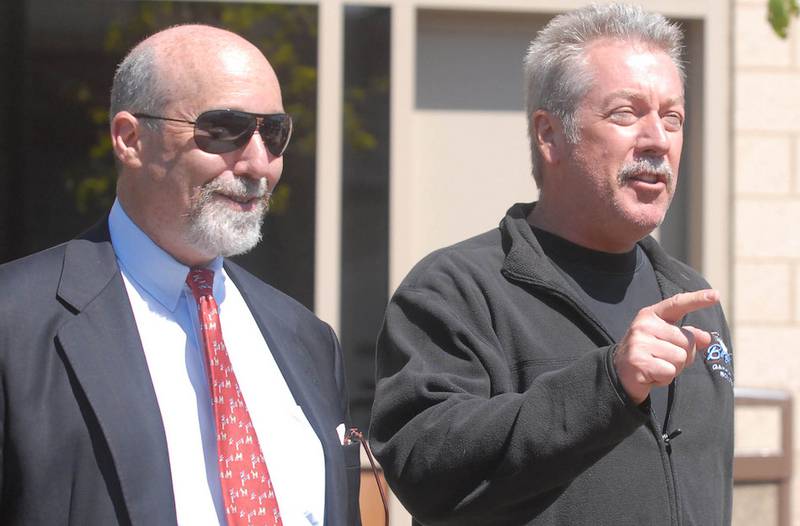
{"points": [[300, 374], [102, 346], [293, 359]]}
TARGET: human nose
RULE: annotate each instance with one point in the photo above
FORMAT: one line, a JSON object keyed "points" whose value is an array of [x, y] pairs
{"points": [[258, 162], [653, 136]]}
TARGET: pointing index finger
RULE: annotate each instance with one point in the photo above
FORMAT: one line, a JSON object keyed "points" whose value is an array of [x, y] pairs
{"points": [[676, 307]]}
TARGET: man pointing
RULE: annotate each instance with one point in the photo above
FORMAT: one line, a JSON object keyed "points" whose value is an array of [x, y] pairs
{"points": [[554, 370]]}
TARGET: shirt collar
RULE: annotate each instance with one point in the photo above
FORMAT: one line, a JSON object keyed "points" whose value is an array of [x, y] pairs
{"points": [[147, 264]]}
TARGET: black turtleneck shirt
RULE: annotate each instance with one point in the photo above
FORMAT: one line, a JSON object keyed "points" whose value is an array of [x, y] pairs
{"points": [[614, 287]]}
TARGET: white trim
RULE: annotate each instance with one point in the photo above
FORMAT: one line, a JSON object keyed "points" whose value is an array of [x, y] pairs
{"points": [[717, 198], [401, 188], [327, 258]]}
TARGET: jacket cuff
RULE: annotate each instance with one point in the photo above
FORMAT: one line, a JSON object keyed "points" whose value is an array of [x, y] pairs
{"points": [[644, 407]]}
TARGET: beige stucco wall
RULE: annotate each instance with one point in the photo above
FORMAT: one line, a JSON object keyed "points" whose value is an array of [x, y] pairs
{"points": [[766, 201]]}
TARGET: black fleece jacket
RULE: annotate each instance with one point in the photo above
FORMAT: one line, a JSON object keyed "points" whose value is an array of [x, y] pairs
{"points": [[497, 402]]}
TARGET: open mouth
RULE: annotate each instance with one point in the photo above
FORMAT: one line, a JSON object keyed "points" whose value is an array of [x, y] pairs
{"points": [[647, 178], [646, 174]]}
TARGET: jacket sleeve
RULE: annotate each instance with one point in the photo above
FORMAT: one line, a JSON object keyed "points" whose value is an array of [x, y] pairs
{"points": [[339, 375], [458, 444], [350, 452]]}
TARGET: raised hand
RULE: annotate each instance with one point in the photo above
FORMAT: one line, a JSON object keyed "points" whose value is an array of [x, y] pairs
{"points": [[654, 350]]}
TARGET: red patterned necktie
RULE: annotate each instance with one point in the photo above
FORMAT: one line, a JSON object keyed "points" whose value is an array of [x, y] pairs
{"points": [[246, 486]]}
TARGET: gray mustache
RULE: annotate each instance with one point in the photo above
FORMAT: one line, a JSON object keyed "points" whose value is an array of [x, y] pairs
{"points": [[239, 187], [659, 167]]}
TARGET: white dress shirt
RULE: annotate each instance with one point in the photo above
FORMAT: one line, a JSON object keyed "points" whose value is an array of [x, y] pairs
{"points": [[166, 316]]}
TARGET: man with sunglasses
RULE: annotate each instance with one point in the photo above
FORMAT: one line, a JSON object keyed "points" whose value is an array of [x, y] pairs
{"points": [[146, 380], [563, 369]]}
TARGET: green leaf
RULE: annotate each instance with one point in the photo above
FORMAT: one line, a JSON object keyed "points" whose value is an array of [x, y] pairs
{"points": [[779, 13]]}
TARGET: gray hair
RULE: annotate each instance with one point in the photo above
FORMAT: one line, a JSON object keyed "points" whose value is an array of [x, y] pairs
{"points": [[136, 87], [555, 77]]}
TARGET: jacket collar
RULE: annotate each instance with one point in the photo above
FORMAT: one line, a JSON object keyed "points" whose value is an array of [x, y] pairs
{"points": [[525, 260], [89, 266]]}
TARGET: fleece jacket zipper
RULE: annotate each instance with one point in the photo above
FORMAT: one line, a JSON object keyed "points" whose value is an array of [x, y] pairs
{"points": [[663, 439]]}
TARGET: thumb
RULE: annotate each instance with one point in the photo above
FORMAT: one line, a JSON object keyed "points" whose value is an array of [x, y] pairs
{"points": [[699, 337]]}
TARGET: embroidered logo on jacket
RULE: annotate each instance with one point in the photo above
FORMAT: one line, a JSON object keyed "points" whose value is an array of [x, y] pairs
{"points": [[718, 358]]}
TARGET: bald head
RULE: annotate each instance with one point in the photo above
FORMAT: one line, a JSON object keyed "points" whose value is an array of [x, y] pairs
{"points": [[175, 63], [194, 203]]}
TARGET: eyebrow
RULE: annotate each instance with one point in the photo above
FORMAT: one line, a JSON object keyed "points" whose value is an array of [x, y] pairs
{"points": [[636, 95]]}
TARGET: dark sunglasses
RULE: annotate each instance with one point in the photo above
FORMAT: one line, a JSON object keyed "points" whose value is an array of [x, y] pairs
{"points": [[223, 131]]}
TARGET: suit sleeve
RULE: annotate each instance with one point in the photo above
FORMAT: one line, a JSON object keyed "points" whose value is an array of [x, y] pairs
{"points": [[339, 375], [457, 444], [351, 452]]}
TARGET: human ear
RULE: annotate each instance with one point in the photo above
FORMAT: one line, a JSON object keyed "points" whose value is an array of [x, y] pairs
{"points": [[126, 139], [547, 136]]}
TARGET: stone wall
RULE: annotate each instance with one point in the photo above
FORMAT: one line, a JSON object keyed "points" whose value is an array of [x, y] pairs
{"points": [[766, 208]]}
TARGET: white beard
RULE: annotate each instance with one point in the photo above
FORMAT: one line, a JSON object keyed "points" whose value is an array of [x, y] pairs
{"points": [[216, 228]]}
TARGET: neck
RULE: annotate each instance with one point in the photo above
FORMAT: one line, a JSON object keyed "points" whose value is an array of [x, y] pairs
{"points": [[578, 228], [170, 240]]}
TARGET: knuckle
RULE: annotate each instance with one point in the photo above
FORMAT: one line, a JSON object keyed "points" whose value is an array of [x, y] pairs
{"points": [[644, 325], [681, 358]]}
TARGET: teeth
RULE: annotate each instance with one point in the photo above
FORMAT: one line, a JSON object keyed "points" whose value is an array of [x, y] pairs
{"points": [[647, 178]]}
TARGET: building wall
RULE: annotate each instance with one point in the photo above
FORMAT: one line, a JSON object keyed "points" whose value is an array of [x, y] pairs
{"points": [[766, 202]]}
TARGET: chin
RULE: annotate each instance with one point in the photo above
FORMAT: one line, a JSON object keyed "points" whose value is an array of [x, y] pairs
{"points": [[225, 231], [644, 225], [646, 215], [640, 220]]}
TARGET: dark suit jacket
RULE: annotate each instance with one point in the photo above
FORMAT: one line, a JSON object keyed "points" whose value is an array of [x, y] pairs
{"points": [[81, 433]]}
